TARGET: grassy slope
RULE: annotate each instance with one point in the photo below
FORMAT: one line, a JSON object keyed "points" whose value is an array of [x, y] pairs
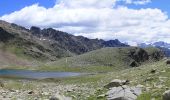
{"points": [[19, 41], [89, 87], [102, 60], [140, 75], [113, 57]]}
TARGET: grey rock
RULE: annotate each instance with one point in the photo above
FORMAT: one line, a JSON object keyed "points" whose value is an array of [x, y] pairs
{"points": [[1, 84], [153, 71], [30, 92], [168, 62], [166, 95], [60, 97], [123, 93], [101, 96], [54, 98], [121, 98], [116, 83]]}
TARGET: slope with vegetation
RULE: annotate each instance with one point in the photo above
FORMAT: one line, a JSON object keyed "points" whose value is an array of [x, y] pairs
{"points": [[91, 87], [107, 58], [104, 60], [46, 44]]}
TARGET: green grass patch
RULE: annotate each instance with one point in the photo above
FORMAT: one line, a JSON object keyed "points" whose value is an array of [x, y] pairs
{"points": [[98, 69]]}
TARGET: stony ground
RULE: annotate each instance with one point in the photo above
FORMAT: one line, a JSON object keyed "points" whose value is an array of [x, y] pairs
{"points": [[35, 90], [153, 79]]}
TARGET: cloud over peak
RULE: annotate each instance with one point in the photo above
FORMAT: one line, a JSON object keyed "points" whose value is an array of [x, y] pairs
{"points": [[98, 19]]}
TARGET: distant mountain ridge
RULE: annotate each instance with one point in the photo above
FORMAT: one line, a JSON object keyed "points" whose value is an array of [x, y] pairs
{"points": [[47, 43], [20, 46], [156, 44], [165, 47], [75, 44]]}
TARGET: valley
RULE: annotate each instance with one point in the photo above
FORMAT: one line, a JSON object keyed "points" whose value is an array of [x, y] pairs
{"points": [[92, 86], [39, 51]]}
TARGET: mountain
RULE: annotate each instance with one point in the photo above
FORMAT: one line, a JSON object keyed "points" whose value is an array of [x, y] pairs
{"points": [[165, 47], [156, 44], [46, 44], [19, 41], [122, 57], [74, 44]]}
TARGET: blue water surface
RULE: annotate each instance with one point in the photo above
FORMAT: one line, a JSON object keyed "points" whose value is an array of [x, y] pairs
{"points": [[36, 74]]}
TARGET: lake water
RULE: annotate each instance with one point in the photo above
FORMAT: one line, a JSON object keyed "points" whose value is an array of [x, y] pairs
{"points": [[36, 74]]}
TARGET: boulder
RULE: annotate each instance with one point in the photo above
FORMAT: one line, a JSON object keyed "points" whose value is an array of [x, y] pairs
{"points": [[123, 93], [166, 95], [31, 92], [121, 98], [54, 98], [153, 71], [117, 83], [60, 97], [134, 64], [101, 96], [1, 84], [168, 62]]}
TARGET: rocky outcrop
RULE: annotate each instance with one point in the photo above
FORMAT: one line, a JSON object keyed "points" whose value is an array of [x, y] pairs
{"points": [[113, 43], [140, 55], [5, 36], [156, 56], [35, 31]]}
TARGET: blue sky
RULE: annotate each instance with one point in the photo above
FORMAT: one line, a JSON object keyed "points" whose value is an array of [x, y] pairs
{"points": [[126, 20], [9, 6], [164, 5]]}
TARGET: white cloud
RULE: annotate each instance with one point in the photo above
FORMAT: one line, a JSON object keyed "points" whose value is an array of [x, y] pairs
{"points": [[98, 19], [142, 2], [137, 2], [87, 3]]}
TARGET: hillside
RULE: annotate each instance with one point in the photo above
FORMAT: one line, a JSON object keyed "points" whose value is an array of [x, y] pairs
{"points": [[99, 61], [119, 58], [19, 41], [46, 44], [152, 77], [37, 44]]}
